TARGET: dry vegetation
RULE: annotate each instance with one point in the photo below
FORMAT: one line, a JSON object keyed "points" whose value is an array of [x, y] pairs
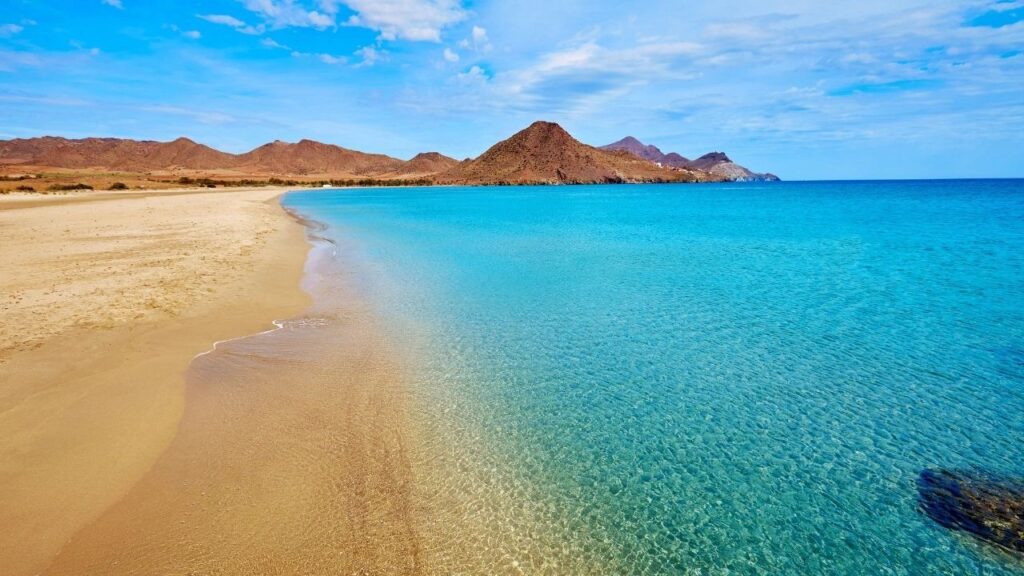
{"points": [[50, 181]]}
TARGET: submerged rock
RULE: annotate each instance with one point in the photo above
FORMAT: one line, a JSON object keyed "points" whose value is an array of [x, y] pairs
{"points": [[984, 506]]}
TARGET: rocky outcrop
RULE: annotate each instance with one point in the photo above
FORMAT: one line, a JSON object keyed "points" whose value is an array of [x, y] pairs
{"points": [[719, 163], [984, 506]]}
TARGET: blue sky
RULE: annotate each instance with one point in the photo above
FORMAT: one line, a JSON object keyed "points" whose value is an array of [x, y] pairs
{"points": [[806, 89]]}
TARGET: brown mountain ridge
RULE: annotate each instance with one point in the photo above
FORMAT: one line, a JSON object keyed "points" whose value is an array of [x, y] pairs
{"points": [[304, 157], [543, 153]]}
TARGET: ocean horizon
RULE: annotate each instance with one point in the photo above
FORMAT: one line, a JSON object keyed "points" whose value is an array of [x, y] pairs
{"points": [[739, 378]]}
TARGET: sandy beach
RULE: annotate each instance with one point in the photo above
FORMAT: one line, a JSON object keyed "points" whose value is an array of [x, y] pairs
{"points": [[106, 298]]}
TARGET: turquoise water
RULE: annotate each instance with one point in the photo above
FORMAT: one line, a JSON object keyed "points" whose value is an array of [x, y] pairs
{"points": [[713, 379]]}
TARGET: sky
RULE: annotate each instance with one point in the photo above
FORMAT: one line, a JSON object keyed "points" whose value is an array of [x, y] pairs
{"points": [[804, 89]]}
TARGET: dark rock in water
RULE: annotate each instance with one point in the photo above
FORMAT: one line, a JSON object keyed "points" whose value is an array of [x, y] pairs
{"points": [[984, 506]]}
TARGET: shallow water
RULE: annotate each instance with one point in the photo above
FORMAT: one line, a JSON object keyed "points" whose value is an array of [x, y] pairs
{"points": [[712, 379]]}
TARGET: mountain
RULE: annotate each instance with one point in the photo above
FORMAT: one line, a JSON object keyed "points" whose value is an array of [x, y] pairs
{"points": [[544, 153], [647, 152], [710, 160], [182, 153], [717, 163], [281, 158], [311, 157], [428, 163], [673, 159], [112, 154]]}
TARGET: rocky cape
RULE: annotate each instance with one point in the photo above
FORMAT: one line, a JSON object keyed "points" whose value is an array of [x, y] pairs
{"points": [[717, 163], [543, 153]]}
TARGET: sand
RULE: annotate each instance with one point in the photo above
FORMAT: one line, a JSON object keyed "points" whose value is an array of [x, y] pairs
{"points": [[104, 300], [292, 457]]}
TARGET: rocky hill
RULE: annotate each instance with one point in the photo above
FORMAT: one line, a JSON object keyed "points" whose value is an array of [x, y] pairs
{"points": [[278, 158], [311, 157], [112, 154], [717, 163], [426, 163], [544, 153]]}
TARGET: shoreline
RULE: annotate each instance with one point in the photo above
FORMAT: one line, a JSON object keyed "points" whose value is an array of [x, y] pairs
{"points": [[293, 450], [113, 297]]}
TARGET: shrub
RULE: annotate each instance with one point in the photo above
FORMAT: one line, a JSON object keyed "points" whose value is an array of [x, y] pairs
{"points": [[118, 186], [67, 187], [24, 188]]}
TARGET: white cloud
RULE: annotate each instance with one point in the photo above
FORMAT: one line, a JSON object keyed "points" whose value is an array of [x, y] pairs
{"points": [[450, 56], [418, 20], [585, 77], [203, 116], [233, 22], [590, 58], [474, 74], [48, 100], [271, 43], [323, 57], [319, 20], [193, 34], [287, 13], [1005, 6], [13, 60], [10, 29], [330, 6], [223, 19], [477, 40], [330, 59], [115, 3], [370, 55]]}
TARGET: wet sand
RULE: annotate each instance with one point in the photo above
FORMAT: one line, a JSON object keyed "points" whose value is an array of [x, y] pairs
{"points": [[291, 458], [105, 300]]}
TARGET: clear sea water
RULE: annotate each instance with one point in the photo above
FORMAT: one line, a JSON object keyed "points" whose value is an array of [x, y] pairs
{"points": [[707, 379]]}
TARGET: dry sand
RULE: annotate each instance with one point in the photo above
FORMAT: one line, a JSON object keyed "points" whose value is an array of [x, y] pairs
{"points": [[104, 300]]}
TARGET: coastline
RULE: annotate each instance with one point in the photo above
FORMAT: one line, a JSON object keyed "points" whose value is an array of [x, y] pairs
{"points": [[108, 299], [293, 450]]}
